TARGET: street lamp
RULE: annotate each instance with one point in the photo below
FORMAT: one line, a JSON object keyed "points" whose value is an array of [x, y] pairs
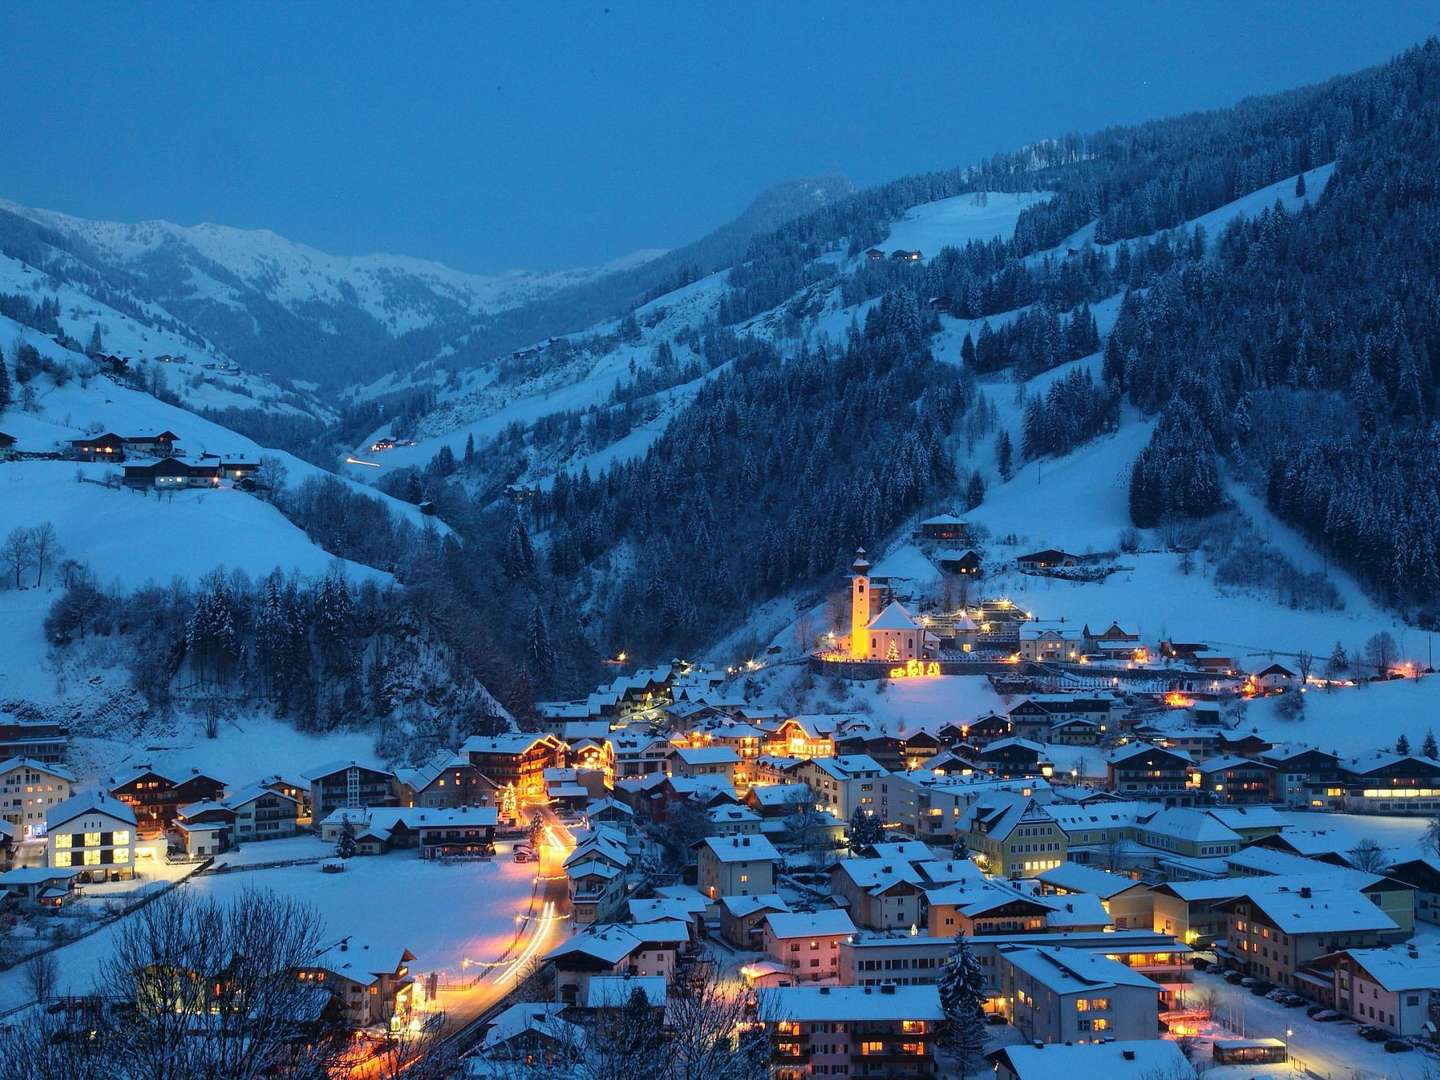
{"points": [[1289, 1034]]}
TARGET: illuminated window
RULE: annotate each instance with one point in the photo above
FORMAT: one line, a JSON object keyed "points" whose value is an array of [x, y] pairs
{"points": [[92, 839], [62, 840], [62, 859], [122, 854], [874, 1047], [912, 1027], [92, 858], [121, 837]]}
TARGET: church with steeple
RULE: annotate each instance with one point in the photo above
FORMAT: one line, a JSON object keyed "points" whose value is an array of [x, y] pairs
{"points": [[892, 634]]}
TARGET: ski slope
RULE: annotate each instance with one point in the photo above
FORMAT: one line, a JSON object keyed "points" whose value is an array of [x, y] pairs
{"points": [[956, 221]]}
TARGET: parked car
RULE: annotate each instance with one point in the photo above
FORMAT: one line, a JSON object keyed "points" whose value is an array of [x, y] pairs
{"points": [[1199, 963], [995, 1019], [1397, 1046], [1325, 1016], [1234, 978], [1250, 980], [1262, 989], [1293, 1001], [1371, 1033], [1278, 994]]}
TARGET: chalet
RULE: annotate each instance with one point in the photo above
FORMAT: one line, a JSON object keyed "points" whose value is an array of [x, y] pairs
{"points": [[1396, 988], [966, 563], [943, 527], [262, 814], [1231, 779], [448, 781], [171, 474], [29, 789], [884, 1030], [742, 918], [1244, 743], [204, 829], [535, 1033], [1305, 776], [741, 865], [879, 893], [987, 729], [350, 785], [903, 255], [1014, 757], [1058, 995], [1013, 834], [157, 443], [1049, 643], [1077, 731], [799, 737], [692, 762], [644, 950], [875, 255], [45, 887], [7, 446], [1111, 638], [942, 304], [1143, 771], [1186, 832], [1048, 559], [155, 797], [93, 832], [106, 447], [445, 832], [230, 466], [517, 760], [732, 820], [1274, 933], [372, 983], [807, 943], [1275, 677], [983, 907], [777, 800]]}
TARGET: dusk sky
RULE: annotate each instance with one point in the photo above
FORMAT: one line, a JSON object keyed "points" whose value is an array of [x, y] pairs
{"points": [[490, 136]]}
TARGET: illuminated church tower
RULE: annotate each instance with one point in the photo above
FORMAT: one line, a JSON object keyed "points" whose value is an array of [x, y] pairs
{"points": [[860, 606]]}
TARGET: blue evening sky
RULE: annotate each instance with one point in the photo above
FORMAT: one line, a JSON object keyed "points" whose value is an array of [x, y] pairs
{"points": [[531, 134]]}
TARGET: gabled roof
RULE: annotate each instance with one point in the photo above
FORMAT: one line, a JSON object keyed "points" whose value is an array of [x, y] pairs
{"points": [[1394, 968], [750, 848], [707, 755], [1324, 911], [1136, 749], [894, 617], [1071, 971], [253, 792], [1077, 878], [740, 906], [1135, 1059], [330, 768], [87, 802], [826, 922], [39, 766], [541, 1017]]}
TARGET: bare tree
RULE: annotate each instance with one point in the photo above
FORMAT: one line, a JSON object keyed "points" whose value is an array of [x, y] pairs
{"points": [[414, 1055], [42, 975], [54, 1046], [270, 477], [215, 990], [1368, 856], [1380, 653], [805, 631], [15, 552], [44, 549], [711, 1038], [1432, 834], [1305, 662]]}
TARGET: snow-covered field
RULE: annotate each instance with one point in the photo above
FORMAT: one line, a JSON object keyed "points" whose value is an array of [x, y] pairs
{"points": [[956, 221], [444, 913]]}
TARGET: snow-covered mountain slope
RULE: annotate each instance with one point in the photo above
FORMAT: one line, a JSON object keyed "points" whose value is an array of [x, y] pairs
{"points": [[476, 405], [269, 303]]}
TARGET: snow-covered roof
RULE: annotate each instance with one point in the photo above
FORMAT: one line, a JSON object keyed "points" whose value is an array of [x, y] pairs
{"points": [[749, 848], [253, 792], [356, 959], [978, 897], [1225, 762], [331, 767], [1395, 969], [615, 991], [707, 755], [1077, 878], [943, 519], [1134, 1059], [1324, 911], [542, 1017], [847, 766], [740, 906], [510, 743], [808, 1004], [658, 909], [828, 921], [38, 766], [87, 802], [1192, 825], [727, 813], [894, 617], [1135, 749], [22, 876], [780, 794], [1078, 909], [1071, 971]]}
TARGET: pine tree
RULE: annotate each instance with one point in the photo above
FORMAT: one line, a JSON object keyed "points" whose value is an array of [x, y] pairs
{"points": [[967, 351], [1300, 186], [962, 998], [97, 343], [1429, 747], [345, 842], [518, 558], [1004, 454], [1339, 661], [540, 654], [974, 490], [864, 830], [536, 831], [1402, 745], [6, 394]]}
